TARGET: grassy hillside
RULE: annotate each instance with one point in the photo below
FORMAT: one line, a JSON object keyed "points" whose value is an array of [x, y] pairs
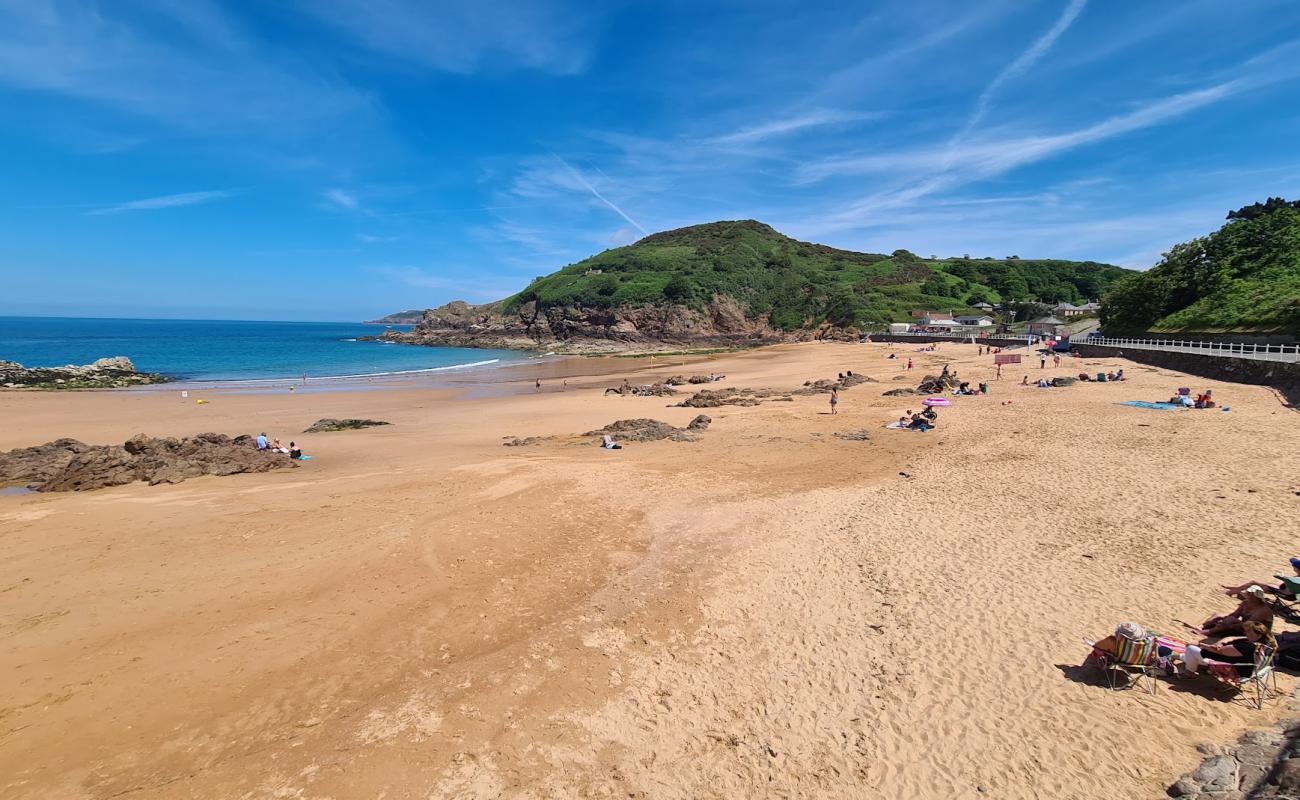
{"points": [[1243, 278], [801, 284]]}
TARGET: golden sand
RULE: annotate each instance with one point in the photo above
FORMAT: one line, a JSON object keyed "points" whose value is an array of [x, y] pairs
{"points": [[769, 612]]}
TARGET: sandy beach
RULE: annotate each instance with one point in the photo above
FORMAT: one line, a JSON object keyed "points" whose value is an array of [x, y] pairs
{"points": [[771, 611]]}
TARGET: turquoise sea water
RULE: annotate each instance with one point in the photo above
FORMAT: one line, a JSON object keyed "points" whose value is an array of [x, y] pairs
{"points": [[227, 350]]}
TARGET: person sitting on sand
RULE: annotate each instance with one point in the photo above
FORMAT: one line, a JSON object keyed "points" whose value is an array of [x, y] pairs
{"points": [[295, 452], [1252, 608], [1119, 374], [1205, 400], [1285, 590], [1024, 381], [276, 447], [262, 443], [1239, 652], [930, 414], [607, 442], [919, 422]]}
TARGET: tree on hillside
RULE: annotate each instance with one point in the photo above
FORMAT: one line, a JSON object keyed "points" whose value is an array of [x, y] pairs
{"points": [[1255, 210]]}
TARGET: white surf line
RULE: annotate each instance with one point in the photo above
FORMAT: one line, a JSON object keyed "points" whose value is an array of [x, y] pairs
{"points": [[342, 377]]}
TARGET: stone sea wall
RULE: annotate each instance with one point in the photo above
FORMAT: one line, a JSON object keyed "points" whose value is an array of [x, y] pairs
{"points": [[1283, 377]]}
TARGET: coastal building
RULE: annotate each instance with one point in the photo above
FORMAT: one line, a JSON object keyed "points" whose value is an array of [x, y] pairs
{"points": [[1046, 326], [975, 320], [983, 306], [1068, 310]]}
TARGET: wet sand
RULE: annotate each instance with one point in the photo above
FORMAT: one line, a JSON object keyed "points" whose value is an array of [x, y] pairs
{"points": [[770, 611]]}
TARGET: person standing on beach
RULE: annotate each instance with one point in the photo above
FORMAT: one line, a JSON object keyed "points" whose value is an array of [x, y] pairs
{"points": [[1056, 361], [1042, 360], [539, 384], [835, 399], [909, 363], [999, 375]]}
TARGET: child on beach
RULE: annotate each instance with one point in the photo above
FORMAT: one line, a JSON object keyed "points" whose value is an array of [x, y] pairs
{"points": [[835, 399]]}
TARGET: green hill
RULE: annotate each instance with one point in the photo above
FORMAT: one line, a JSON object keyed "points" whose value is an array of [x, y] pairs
{"points": [[1243, 278], [801, 285]]}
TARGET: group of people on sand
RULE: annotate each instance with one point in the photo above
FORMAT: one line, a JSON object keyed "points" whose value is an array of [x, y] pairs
{"points": [[923, 420], [273, 445], [1230, 641], [1103, 377], [1184, 398]]}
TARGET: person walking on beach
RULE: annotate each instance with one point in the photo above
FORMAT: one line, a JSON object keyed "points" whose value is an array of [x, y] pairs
{"points": [[909, 363], [539, 384], [835, 399], [999, 375], [1042, 360]]}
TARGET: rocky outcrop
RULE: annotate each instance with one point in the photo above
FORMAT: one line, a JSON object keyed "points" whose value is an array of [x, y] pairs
{"points": [[67, 465], [644, 430], [714, 398], [902, 392], [1262, 764], [106, 373], [937, 384], [328, 424], [578, 329], [700, 423]]}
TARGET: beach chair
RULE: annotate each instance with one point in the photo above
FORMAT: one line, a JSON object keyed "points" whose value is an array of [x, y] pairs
{"points": [[1260, 686], [1134, 662]]}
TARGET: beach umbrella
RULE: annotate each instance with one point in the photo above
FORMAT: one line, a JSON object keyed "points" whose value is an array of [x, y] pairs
{"points": [[936, 401]]}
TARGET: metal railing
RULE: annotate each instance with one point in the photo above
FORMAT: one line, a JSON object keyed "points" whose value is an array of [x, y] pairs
{"points": [[1286, 353], [958, 337]]}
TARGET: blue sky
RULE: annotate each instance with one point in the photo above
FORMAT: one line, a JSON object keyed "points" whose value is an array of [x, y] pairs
{"points": [[340, 159]]}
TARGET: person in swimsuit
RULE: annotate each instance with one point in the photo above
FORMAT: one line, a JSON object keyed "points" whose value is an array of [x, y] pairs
{"points": [[835, 399], [1253, 608]]}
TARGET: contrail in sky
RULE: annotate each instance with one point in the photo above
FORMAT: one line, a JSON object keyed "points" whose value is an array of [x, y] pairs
{"points": [[602, 198]]}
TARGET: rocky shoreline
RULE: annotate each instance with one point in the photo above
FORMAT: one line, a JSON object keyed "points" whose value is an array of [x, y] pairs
{"points": [[106, 373], [590, 331]]}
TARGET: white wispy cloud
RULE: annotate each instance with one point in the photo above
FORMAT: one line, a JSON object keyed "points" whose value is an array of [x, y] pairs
{"points": [[946, 168], [460, 36], [1022, 62], [477, 289], [342, 199], [788, 125], [370, 238], [994, 156], [165, 201], [203, 74]]}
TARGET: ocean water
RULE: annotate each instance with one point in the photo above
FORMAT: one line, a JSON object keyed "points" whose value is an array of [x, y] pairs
{"points": [[228, 350]]}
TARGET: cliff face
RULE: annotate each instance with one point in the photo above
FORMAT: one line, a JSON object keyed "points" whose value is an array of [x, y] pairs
{"points": [[573, 328]]}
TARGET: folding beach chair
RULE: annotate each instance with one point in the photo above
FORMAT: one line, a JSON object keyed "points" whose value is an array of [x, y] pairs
{"points": [[1262, 683], [1134, 659]]}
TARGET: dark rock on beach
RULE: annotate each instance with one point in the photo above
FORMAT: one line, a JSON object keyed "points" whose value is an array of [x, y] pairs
{"points": [[700, 423], [106, 373], [329, 424], [67, 465], [644, 430], [902, 392], [937, 384]]}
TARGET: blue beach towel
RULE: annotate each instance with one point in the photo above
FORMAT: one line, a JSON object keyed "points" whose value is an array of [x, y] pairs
{"points": [[1145, 404], [304, 458]]}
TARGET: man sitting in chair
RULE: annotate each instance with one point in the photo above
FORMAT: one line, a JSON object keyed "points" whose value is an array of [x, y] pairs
{"points": [[1252, 608]]}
